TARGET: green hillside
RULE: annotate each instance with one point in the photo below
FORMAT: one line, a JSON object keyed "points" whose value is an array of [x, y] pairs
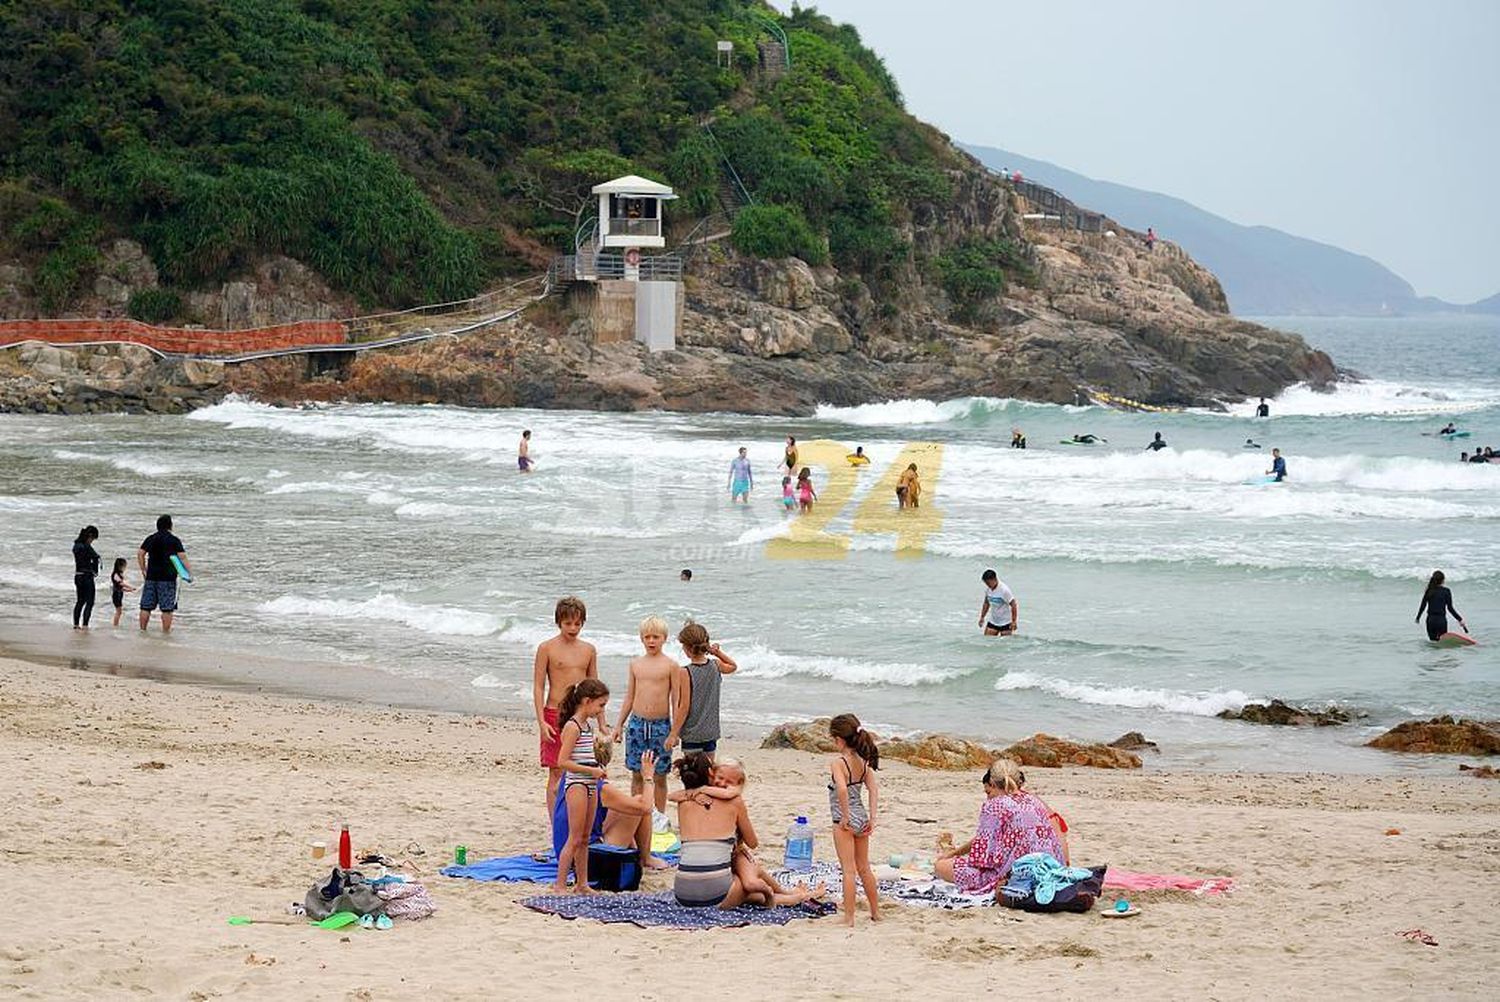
{"points": [[413, 152]]}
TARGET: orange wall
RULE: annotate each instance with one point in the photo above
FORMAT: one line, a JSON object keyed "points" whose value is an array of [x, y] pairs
{"points": [[176, 340]]}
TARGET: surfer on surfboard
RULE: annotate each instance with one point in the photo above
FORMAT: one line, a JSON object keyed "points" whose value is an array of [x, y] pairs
{"points": [[1437, 602]]}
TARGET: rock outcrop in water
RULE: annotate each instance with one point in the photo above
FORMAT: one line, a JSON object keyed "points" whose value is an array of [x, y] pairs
{"points": [[41, 379], [942, 751], [1442, 736], [1279, 714]]}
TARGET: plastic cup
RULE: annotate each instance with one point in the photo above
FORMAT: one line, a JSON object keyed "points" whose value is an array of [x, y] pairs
{"points": [[319, 849], [461, 855]]}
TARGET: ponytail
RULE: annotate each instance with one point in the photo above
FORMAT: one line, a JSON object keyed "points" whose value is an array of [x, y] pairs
{"points": [[589, 688], [1436, 581], [846, 728]]}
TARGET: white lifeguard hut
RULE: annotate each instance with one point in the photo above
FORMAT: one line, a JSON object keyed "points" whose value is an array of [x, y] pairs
{"points": [[630, 212], [628, 294]]}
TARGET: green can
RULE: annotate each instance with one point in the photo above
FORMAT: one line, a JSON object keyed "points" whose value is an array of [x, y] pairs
{"points": [[461, 855]]}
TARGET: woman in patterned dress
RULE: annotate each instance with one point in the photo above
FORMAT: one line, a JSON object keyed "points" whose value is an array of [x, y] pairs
{"points": [[1012, 823]]}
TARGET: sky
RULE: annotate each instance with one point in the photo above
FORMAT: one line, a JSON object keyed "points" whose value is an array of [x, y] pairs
{"points": [[1373, 125]]}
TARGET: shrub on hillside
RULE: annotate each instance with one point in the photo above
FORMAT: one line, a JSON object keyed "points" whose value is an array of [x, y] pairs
{"points": [[154, 306], [777, 231]]}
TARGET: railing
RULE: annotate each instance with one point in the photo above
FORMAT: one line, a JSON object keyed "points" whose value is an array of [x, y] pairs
{"points": [[634, 227], [774, 27], [737, 188], [1057, 208], [590, 267]]}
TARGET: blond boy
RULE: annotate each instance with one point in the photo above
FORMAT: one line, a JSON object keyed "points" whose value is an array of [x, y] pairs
{"points": [[561, 662], [646, 719]]}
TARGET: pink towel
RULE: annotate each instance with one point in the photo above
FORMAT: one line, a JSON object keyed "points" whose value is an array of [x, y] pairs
{"points": [[1126, 880]]}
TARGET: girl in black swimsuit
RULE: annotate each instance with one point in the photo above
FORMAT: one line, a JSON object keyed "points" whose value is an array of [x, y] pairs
{"points": [[1437, 602]]}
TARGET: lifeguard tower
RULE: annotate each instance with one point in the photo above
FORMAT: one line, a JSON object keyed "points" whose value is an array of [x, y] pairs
{"points": [[623, 293]]}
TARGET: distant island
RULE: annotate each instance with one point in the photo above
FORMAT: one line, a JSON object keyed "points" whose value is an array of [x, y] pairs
{"points": [[1264, 271]]}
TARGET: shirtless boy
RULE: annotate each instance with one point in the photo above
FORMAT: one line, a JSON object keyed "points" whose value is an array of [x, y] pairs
{"points": [[561, 662], [646, 719]]}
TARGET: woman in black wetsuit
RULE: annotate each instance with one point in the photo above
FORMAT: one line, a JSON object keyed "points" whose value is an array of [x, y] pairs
{"points": [[85, 569], [1437, 602]]}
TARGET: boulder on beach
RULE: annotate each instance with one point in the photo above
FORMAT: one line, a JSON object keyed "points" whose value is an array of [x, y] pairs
{"points": [[944, 751], [1279, 714], [1046, 751], [1441, 736], [1133, 741], [808, 736], [939, 751], [1480, 771]]}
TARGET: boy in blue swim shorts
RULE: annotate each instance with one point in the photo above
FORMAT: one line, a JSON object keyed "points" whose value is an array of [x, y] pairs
{"points": [[646, 718]]}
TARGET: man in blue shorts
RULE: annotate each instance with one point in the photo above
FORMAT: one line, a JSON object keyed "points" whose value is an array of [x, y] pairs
{"points": [[740, 478], [155, 559]]}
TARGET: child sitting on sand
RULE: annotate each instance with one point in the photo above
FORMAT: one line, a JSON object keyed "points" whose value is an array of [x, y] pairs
{"points": [[646, 718], [851, 773], [698, 684], [583, 703], [561, 662]]}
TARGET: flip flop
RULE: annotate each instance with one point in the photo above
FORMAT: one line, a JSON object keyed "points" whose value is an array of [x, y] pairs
{"points": [[1111, 913], [337, 920]]}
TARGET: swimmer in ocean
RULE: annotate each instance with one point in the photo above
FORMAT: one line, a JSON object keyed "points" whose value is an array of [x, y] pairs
{"points": [[1087, 439], [1158, 443], [857, 457], [1450, 429], [1250, 443], [1278, 466]]}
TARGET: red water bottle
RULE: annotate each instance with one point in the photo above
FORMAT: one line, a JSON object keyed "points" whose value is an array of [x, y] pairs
{"points": [[346, 851]]}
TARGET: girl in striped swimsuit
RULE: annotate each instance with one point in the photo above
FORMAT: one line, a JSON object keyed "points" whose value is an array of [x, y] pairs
{"points": [[851, 774], [581, 704]]}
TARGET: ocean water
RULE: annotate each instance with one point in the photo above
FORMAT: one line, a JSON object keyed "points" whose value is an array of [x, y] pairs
{"points": [[1155, 589]]}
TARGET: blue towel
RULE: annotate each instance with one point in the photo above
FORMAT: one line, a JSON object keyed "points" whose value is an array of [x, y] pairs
{"points": [[521, 868], [511, 868], [660, 909]]}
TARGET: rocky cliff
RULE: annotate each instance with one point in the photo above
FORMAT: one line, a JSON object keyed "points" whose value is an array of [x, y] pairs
{"points": [[1096, 310]]}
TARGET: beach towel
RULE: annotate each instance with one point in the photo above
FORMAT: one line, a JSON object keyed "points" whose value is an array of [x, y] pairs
{"points": [[520, 868], [406, 900], [661, 910], [936, 894], [1127, 880]]}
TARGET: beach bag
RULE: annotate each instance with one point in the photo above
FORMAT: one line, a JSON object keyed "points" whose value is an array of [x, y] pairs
{"points": [[345, 891], [1075, 897], [613, 868]]}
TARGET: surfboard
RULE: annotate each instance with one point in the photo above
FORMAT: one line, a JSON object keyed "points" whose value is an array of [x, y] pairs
{"points": [[1260, 481], [182, 571], [1453, 434], [1452, 639], [1069, 441]]}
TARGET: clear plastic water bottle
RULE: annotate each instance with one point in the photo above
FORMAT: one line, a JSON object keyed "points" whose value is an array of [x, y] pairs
{"points": [[799, 846]]}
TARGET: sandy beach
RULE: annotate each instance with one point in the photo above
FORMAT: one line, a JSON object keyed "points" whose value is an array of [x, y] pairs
{"points": [[126, 873]]}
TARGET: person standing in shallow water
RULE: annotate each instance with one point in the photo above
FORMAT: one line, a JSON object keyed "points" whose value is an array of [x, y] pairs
{"points": [[791, 455], [1437, 602], [155, 559], [523, 452], [741, 478], [85, 570]]}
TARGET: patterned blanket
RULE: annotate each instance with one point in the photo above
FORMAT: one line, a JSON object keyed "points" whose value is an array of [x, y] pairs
{"points": [[661, 910]]}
